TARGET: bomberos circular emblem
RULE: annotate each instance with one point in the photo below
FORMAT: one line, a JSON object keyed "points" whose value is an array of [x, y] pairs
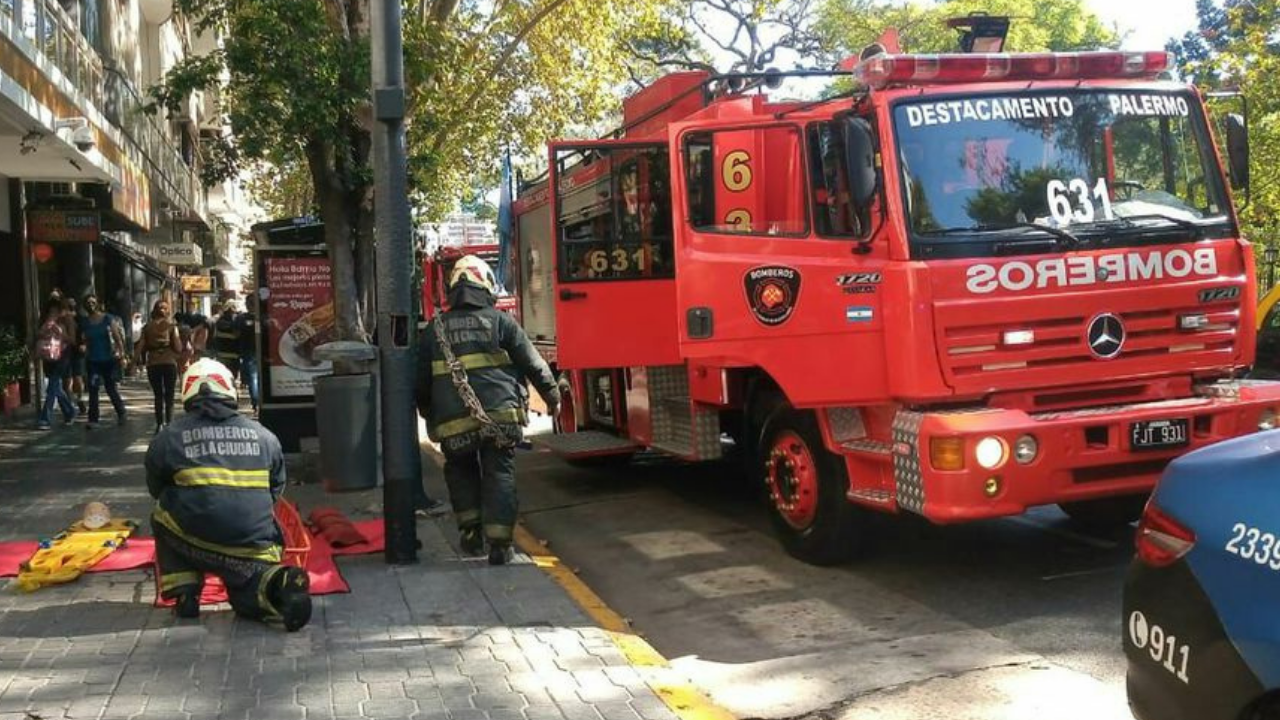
{"points": [[772, 293]]}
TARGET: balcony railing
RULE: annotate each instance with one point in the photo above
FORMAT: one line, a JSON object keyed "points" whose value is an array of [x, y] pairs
{"points": [[124, 107], [48, 29]]}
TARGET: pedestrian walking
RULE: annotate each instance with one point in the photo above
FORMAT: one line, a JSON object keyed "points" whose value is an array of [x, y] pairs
{"points": [[159, 349], [53, 349], [472, 366], [74, 381], [216, 476], [135, 335], [194, 330], [248, 337], [102, 344]]}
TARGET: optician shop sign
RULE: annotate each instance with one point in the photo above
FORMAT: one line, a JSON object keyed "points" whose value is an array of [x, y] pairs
{"points": [[180, 254]]}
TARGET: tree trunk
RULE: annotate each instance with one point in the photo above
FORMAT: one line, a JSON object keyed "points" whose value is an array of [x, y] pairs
{"points": [[335, 211], [366, 267], [346, 291]]}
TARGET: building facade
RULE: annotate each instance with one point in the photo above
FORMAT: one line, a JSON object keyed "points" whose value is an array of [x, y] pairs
{"points": [[97, 195]]}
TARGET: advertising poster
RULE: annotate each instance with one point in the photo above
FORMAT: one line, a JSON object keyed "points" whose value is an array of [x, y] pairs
{"points": [[299, 318]]}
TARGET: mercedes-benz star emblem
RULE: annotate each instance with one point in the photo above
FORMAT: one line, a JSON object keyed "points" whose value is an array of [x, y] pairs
{"points": [[1105, 336]]}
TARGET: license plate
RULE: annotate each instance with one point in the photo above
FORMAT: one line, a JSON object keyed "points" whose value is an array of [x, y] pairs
{"points": [[1158, 434]]}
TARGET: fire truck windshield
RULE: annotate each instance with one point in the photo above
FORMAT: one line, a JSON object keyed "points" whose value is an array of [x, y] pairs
{"points": [[981, 172]]}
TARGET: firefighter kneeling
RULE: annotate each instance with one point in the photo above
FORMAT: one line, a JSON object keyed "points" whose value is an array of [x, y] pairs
{"points": [[217, 476], [472, 365]]}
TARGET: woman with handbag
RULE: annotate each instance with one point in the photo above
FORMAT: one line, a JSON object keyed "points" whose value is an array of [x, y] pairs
{"points": [[53, 347], [160, 350], [102, 342]]}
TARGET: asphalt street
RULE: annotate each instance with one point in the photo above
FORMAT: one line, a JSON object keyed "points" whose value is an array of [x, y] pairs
{"points": [[1012, 618]]}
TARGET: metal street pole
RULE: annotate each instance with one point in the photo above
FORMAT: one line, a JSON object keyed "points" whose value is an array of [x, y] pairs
{"points": [[401, 461]]}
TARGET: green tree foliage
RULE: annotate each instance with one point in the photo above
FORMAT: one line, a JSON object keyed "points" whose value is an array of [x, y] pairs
{"points": [[1237, 46], [510, 74], [282, 188], [848, 26], [293, 79]]}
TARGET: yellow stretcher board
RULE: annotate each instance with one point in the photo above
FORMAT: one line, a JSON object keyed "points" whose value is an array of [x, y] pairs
{"points": [[67, 555]]}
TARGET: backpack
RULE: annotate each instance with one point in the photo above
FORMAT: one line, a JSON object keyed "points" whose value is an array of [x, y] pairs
{"points": [[50, 345]]}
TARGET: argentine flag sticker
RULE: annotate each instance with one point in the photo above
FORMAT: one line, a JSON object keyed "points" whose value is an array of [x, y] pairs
{"points": [[859, 313]]}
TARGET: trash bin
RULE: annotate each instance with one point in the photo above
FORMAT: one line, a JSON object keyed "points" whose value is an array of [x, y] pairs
{"points": [[347, 420]]}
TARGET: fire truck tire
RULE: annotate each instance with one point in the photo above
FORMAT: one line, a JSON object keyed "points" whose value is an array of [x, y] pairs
{"points": [[1104, 513], [764, 400], [805, 487]]}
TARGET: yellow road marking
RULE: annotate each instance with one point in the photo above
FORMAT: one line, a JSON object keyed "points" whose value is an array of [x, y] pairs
{"points": [[686, 701]]}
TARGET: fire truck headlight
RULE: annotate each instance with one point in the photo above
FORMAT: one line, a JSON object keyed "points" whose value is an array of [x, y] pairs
{"points": [[991, 452], [1267, 421], [1025, 450]]}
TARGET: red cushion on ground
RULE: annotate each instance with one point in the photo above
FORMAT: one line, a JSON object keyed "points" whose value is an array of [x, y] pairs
{"points": [[342, 534]]}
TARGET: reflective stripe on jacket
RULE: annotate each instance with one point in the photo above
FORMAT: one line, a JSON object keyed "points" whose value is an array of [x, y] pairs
{"points": [[217, 482], [498, 358]]}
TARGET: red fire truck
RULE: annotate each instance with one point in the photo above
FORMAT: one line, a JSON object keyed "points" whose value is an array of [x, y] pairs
{"points": [[435, 275], [972, 284]]}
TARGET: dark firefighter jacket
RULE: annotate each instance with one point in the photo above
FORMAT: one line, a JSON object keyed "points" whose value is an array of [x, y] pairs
{"points": [[217, 475], [498, 358], [226, 338], [247, 325]]}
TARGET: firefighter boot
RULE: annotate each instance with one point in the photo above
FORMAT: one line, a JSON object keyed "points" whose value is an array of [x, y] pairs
{"points": [[500, 553], [471, 540], [188, 605], [291, 596]]}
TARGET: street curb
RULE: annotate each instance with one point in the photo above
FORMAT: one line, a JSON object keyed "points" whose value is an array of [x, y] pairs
{"points": [[685, 700]]}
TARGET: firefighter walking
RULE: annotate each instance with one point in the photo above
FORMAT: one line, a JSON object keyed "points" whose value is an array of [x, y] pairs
{"points": [[226, 338], [473, 362], [216, 476]]}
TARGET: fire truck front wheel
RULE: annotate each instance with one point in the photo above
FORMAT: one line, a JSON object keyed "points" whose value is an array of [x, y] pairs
{"points": [[806, 486]]}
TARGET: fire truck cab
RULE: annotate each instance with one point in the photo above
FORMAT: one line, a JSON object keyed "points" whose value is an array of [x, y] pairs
{"points": [[973, 284]]}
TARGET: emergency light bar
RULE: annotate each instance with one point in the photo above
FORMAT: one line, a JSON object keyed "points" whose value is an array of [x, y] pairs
{"points": [[883, 70]]}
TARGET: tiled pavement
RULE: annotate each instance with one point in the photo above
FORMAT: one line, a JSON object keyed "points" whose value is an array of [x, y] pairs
{"points": [[449, 639]]}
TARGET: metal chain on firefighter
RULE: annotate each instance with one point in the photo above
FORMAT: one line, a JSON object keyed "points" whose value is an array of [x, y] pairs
{"points": [[458, 374]]}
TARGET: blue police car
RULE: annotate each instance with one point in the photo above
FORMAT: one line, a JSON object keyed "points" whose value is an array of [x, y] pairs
{"points": [[1202, 599]]}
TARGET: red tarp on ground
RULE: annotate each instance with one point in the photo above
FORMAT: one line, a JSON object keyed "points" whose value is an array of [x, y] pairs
{"points": [[140, 552]]}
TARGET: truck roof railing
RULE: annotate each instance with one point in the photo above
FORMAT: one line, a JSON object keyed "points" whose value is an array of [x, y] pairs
{"points": [[735, 83], [726, 84]]}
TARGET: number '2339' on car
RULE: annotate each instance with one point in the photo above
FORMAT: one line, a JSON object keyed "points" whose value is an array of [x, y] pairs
{"points": [[1202, 600]]}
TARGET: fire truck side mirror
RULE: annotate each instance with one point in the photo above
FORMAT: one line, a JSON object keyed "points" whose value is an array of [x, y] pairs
{"points": [[1238, 151], [859, 146]]}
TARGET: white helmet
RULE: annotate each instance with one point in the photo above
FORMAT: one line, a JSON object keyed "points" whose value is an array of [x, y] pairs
{"points": [[475, 271], [207, 375]]}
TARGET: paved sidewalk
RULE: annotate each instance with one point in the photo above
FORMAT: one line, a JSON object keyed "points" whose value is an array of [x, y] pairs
{"points": [[449, 639]]}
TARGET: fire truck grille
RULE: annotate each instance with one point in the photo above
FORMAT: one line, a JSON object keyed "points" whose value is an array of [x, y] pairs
{"points": [[973, 344]]}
